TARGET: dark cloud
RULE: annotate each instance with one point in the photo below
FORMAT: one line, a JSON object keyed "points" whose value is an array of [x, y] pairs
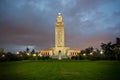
{"points": [[31, 23]]}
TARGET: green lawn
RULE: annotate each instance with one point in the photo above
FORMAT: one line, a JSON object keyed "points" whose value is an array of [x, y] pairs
{"points": [[60, 70]]}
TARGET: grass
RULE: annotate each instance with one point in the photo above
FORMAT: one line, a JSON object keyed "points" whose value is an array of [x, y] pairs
{"points": [[60, 70]]}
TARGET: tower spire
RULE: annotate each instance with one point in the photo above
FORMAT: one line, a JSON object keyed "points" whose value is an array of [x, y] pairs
{"points": [[59, 18]]}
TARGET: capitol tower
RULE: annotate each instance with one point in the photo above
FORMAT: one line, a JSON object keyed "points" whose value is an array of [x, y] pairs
{"points": [[59, 51]]}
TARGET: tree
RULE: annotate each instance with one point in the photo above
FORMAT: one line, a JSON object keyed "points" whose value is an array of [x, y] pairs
{"points": [[1, 50], [117, 51], [82, 55], [108, 50], [27, 50], [33, 51], [89, 50]]}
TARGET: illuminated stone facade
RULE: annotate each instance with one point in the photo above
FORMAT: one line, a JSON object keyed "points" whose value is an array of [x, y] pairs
{"points": [[59, 51], [73, 53]]}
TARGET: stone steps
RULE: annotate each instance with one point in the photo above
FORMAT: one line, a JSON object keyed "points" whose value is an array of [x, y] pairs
{"points": [[56, 57]]}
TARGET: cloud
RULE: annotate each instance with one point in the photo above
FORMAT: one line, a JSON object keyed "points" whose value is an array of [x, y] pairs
{"points": [[32, 22]]}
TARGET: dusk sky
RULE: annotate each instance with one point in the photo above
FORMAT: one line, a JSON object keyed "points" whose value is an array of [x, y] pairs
{"points": [[32, 23]]}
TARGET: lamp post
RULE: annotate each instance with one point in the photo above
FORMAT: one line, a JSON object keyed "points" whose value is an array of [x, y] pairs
{"points": [[28, 54], [3, 55], [91, 53], [18, 53], [84, 54], [34, 55], [101, 52]]}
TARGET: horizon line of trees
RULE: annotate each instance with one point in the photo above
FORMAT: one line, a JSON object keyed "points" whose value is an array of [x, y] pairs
{"points": [[108, 51]]}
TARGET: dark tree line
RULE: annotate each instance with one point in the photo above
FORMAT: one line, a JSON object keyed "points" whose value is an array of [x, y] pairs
{"points": [[21, 55], [108, 51]]}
